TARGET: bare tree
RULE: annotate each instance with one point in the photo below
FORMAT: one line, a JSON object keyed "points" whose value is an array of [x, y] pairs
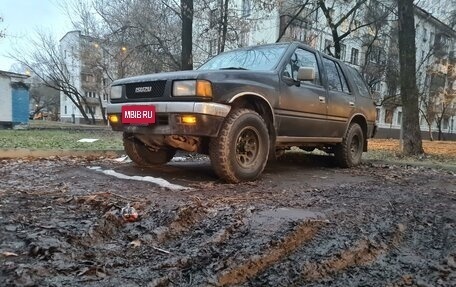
{"points": [[48, 64], [2, 31], [412, 142], [149, 30], [335, 24], [293, 18], [437, 103], [44, 98]]}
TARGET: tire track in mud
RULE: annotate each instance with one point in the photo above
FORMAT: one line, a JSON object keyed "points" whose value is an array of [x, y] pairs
{"points": [[256, 264], [186, 217], [362, 253], [205, 253]]}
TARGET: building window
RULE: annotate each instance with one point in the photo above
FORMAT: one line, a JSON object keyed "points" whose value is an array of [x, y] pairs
{"points": [[212, 18], [445, 123], [388, 116], [246, 8], [244, 37], [399, 118], [213, 47], [375, 55], [328, 45], [343, 52], [66, 112], [377, 118], [424, 34], [354, 56]]}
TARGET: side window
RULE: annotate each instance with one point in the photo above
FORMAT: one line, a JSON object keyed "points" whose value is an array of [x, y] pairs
{"points": [[302, 58], [334, 82], [362, 87], [343, 79]]}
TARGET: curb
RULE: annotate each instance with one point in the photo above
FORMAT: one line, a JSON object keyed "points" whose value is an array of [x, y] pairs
{"points": [[36, 153]]}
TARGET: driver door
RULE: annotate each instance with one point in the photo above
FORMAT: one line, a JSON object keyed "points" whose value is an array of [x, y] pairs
{"points": [[302, 104]]}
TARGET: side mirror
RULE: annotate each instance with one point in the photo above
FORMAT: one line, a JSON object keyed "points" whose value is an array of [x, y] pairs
{"points": [[306, 74]]}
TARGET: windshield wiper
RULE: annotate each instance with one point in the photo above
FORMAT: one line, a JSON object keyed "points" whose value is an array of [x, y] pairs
{"points": [[233, 68]]}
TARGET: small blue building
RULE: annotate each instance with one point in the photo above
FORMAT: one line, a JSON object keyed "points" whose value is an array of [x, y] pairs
{"points": [[14, 99]]}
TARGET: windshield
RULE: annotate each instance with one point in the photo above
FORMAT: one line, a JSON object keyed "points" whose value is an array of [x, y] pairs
{"points": [[259, 58]]}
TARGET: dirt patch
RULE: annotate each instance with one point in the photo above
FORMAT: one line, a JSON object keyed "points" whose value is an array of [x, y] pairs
{"points": [[304, 223]]}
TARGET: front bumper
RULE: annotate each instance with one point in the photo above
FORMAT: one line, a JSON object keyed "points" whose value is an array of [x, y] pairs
{"points": [[209, 118]]}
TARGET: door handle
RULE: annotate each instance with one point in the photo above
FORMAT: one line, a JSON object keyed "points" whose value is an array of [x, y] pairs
{"points": [[322, 99], [352, 104]]}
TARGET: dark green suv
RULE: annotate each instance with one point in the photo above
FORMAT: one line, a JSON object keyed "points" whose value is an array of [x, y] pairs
{"points": [[244, 107]]}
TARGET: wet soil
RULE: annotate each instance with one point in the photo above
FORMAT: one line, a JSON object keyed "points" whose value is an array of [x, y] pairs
{"points": [[304, 223]]}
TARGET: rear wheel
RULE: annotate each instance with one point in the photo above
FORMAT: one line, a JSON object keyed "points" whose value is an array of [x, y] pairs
{"points": [[349, 152], [141, 155], [240, 152]]}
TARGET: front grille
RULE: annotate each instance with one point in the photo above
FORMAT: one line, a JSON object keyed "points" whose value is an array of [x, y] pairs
{"points": [[145, 90]]}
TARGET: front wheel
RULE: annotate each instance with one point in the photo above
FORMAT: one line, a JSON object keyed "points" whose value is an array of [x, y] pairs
{"points": [[240, 152], [349, 152], [141, 155]]}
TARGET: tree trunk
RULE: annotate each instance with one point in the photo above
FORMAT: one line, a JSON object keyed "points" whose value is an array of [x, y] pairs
{"points": [[439, 127], [187, 34], [409, 93], [224, 25]]}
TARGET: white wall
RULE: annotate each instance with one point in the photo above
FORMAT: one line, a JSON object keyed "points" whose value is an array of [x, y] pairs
{"points": [[69, 49], [6, 105]]}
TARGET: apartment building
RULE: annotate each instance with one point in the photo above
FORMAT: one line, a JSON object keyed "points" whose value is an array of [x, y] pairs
{"points": [[80, 54]]}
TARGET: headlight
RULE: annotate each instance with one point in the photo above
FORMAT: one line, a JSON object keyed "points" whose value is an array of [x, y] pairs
{"points": [[199, 88], [116, 92], [184, 88]]}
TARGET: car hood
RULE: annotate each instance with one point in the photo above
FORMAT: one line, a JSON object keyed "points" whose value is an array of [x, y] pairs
{"points": [[186, 75]]}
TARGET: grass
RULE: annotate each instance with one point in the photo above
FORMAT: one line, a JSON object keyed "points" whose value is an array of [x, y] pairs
{"points": [[60, 139]]}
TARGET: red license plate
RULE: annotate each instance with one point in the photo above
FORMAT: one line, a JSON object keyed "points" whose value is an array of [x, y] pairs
{"points": [[138, 114]]}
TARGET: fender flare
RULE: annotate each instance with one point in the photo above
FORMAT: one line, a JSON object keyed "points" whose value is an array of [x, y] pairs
{"points": [[242, 94]]}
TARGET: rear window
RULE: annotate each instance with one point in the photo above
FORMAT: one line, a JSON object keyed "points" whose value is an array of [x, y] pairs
{"points": [[360, 83]]}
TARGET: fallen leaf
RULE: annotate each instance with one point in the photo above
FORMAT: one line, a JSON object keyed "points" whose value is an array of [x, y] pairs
{"points": [[9, 254], [135, 243]]}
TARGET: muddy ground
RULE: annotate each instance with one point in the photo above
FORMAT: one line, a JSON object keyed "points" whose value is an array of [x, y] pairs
{"points": [[304, 223]]}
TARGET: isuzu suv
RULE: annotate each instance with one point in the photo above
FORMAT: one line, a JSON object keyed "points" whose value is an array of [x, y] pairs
{"points": [[246, 106]]}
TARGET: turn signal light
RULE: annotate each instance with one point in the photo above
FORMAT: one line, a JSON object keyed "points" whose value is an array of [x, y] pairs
{"points": [[114, 119], [189, 120], [203, 89]]}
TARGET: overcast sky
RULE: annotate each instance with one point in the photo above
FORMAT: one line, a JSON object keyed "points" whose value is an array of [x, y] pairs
{"points": [[21, 19]]}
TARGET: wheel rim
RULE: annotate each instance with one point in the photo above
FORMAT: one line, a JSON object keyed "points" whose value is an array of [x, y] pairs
{"points": [[247, 147], [355, 146]]}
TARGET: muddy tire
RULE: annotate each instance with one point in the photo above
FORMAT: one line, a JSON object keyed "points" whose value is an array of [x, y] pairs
{"points": [[349, 152], [141, 155], [240, 152]]}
